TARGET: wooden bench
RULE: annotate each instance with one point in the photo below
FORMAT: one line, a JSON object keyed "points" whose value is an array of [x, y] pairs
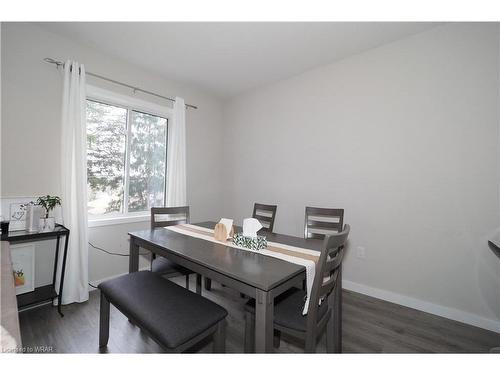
{"points": [[171, 315]]}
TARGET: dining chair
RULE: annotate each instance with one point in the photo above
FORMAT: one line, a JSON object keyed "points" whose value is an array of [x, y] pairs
{"points": [[164, 217], [325, 298], [322, 221], [266, 214]]}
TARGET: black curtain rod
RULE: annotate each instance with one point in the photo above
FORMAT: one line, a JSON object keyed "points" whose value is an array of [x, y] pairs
{"points": [[59, 63]]}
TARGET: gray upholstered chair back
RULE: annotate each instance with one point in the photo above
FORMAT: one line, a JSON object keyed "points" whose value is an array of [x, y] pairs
{"points": [[167, 216]]}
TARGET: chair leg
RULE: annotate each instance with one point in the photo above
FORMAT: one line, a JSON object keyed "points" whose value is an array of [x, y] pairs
{"points": [[330, 324], [208, 284], [153, 257], [187, 281], [220, 337], [310, 343], [330, 339], [338, 313], [103, 322], [198, 284], [277, 339], [249, 332]]}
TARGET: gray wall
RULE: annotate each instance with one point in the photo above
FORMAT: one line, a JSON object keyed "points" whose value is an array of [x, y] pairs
{"points": [[404, 137], [31, 107]]}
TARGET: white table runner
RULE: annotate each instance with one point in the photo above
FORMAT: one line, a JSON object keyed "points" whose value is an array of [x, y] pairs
{"points": [[304, 257]]}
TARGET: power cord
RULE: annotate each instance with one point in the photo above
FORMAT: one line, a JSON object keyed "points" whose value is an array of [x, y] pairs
{"points": [[110, 252]]}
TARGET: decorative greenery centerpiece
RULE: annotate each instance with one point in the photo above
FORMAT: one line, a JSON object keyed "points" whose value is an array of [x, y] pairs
{"points": [[252, 243], [49, 203]]}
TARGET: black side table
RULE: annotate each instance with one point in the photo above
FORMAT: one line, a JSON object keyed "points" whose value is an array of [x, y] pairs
{"points": [[45, 292]]}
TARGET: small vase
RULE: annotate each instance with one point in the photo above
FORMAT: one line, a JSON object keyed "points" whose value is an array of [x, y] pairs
{"points": [[47, 224]]}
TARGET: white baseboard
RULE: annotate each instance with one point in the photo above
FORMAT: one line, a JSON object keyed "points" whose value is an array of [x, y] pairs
{"points": [[97, 282], [446, 312]]}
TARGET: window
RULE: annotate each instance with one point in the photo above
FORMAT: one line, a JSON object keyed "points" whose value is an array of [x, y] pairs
{"points": [[126, 159]]}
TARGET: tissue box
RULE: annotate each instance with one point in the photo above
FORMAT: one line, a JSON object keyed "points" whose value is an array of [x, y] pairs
{"points": [[252, 243]]}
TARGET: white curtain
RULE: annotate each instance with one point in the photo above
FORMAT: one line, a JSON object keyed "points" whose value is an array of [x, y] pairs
{"points": [[74, 183], [176, 156]]}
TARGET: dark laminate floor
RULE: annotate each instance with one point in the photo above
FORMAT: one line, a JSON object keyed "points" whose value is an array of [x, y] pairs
{"points": [[370, 326]]}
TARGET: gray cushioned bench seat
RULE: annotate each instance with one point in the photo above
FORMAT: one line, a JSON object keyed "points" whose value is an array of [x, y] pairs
{"points": [[173, 316]]}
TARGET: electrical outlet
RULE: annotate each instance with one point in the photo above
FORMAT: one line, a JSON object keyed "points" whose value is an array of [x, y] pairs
{"points": [[360, 252]]}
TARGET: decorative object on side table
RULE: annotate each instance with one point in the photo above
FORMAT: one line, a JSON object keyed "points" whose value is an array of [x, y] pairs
{"points": [[253, 243], [23, 267], [49, 203], [34, 213], [17, 216]]}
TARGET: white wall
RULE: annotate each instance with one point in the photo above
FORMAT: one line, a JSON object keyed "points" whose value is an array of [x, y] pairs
{"points": [[405, 137], [31, 120]]}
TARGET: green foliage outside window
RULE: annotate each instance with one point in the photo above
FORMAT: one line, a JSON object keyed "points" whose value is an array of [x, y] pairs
{"points": [[107, 171]]}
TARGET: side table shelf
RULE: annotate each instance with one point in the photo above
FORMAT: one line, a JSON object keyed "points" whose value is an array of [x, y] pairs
{"points": [[46, 292]]}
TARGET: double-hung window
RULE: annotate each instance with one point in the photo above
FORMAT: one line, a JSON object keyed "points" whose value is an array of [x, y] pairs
{"points": [[126, 155]]}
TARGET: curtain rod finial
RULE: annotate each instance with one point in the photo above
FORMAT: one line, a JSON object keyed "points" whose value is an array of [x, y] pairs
{"points": [[52, 61]]}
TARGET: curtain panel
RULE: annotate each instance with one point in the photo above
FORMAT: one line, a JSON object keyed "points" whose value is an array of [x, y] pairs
{"points": [[176, 156], [74, 182]]}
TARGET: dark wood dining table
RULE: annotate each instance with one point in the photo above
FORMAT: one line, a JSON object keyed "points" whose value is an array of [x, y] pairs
{"points": [[256, 275]]}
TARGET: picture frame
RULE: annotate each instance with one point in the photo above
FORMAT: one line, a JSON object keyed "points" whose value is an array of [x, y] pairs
{"points": [[23, 267], [17, 217]]}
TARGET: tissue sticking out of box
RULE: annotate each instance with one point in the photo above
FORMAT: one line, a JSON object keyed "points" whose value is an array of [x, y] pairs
{"points": [[250, 227]]}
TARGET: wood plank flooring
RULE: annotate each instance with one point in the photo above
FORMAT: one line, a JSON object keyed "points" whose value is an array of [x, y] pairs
{"points": [[369, 326]]}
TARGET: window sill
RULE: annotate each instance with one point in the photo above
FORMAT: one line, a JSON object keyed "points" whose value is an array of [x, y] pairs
{"points": [[100, 222]]}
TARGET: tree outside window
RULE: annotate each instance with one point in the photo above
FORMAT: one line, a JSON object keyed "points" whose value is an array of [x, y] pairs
{"points": [[126, 159]]}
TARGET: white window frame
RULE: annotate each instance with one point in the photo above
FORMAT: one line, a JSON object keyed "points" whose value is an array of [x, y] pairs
{"points": [[131, 104]]}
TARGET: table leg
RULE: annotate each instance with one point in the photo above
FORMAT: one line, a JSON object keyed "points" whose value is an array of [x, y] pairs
{"points": [[133, 260], [63, 271], [198, 283], [264, 318], [337, 315]]}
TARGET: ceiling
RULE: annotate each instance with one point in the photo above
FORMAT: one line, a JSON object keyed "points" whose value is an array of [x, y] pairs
{"points": [[229, 58]]}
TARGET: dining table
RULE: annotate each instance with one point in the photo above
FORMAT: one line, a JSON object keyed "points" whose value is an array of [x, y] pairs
{"points": [[252, 274]]}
